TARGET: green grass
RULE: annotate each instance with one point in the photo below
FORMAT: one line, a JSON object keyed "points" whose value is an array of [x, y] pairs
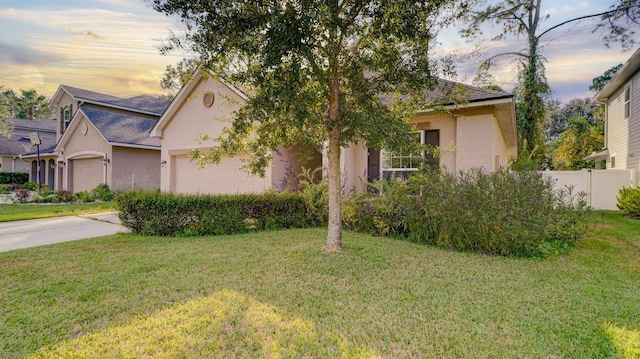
{"points": [[17, 212], [275, 294]]}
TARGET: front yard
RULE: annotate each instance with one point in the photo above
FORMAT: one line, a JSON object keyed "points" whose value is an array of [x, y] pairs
{"points": [[275, 294], [18, 212]]}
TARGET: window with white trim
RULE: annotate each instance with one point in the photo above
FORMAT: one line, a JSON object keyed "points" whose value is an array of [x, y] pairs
{"points": [[401, 164], [627, 102], [612, 162], [67, 117]]}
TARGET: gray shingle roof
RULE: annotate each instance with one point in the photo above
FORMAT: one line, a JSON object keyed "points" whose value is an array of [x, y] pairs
{"points": [[122, 128], [43, 125], [13, 147], [140, 103], [447, 92]]}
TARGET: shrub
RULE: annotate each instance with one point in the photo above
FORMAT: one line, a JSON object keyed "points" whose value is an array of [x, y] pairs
{"points": [[44, 190], [102, 192], [316, 196], [500, 213], [30, 186], [164, 214], [84, 197], [5, 188], [14, 177], [22, 195], [64, 196], [629, 201]]}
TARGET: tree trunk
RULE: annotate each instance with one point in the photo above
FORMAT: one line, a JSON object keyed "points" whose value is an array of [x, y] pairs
{"points": [[334, 237]]}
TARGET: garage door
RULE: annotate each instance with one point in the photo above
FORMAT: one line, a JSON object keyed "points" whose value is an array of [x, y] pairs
{"points": [[224, 178], [87, 173]]}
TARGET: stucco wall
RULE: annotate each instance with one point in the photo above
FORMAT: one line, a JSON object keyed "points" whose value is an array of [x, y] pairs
{"points": [[11, 164], [135, 168], [64, 102]]}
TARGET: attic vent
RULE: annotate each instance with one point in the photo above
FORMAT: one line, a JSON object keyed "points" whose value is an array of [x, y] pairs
{"points": [[207, 99]]}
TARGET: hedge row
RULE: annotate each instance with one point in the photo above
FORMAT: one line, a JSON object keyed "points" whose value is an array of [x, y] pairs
{"points": [[14, 177], [167, 214]]}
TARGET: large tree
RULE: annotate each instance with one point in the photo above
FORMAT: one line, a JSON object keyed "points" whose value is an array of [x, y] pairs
{"points": [[6, 118], [32, 106], [523, 18], [317, 72]]}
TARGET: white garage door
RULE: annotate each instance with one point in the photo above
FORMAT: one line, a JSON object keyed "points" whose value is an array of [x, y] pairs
{"points": [[87, 173], [224, 178]]}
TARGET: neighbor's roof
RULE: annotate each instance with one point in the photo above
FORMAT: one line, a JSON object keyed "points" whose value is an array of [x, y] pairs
{"points": [[120, 128], [42, 125], [143, 104], [624, 74], [13, 146]]}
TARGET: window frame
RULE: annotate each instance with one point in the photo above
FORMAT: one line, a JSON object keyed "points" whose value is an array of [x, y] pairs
{"points": [[627, 95], [387, 157], [66, 117]]}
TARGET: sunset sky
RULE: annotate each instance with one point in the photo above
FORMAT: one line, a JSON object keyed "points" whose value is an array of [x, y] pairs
{"points": [[111, 46]]}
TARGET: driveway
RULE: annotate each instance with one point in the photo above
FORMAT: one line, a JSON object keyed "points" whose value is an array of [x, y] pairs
{"points": [[37, 232]]}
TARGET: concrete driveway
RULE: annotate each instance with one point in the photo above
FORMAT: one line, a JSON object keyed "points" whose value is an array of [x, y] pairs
{"points": [[37, 232]]}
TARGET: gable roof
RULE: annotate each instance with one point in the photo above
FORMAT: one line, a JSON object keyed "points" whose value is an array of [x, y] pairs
{"points": [[182, 96], [470, 93], [122, 129], [142, 104], [624, 74]]}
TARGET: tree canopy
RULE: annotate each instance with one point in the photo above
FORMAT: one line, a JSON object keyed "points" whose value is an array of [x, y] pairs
{"points": [[317, 73]]}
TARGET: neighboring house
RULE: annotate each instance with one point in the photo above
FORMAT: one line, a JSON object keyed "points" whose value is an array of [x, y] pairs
{"points": [[104, 139], [204, 107], [481, 131], [12, 149], [621, 97]]}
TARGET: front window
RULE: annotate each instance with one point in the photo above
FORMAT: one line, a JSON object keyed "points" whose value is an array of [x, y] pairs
{"points": [[401, 164], [612, 162], [67, 117], [627, 102]]}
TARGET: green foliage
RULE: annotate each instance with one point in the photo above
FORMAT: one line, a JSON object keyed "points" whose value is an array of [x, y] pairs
{"points": [[14, 177], [44, 190], [5, 188], [629, 201], [64, 196], [102, 192], [580, 139], [84, 196], [167, 214], [502, 213], [559, 118], [598, 83], [316, 196], [30, 186]]}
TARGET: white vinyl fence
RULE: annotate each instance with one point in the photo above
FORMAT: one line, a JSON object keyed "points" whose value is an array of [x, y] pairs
{"points": [[601, 186]]}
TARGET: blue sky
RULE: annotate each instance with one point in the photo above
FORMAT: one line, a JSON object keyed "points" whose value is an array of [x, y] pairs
{"points": [[111, 46]]}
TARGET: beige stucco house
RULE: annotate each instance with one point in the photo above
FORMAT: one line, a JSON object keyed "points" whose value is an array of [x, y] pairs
{"points": [[204, 107], [621, 97], [104, 139], [480, 132]]}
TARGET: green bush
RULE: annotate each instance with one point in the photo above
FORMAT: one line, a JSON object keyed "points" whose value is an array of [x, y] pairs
{"points": [[84, 197], [102, 192], [44, 190], [629, 201], [502, 213], [316, 196], [64, 196], [30, 186], [14, 177], [167, 214], [5, 188]]}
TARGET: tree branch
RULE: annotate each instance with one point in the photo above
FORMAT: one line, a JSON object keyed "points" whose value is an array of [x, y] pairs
{"points": [[606, 13]]}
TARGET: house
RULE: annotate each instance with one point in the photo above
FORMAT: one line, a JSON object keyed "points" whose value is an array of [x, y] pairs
{"points": [[478, 132], [481, 132], [104, 139], [621, 97], [206, 106], [12, 149]]}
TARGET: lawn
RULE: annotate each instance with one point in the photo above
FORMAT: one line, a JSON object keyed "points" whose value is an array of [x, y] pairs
{"points": [[17, 212], [275, 294]]}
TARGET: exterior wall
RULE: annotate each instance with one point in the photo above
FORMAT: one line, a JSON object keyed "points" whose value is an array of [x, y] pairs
{"points": [[287, 165], [182, 132], [64, 102], [623, 135], [476, 145], [135, 168], [13, 164], [448, 136], [82, 146]]}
